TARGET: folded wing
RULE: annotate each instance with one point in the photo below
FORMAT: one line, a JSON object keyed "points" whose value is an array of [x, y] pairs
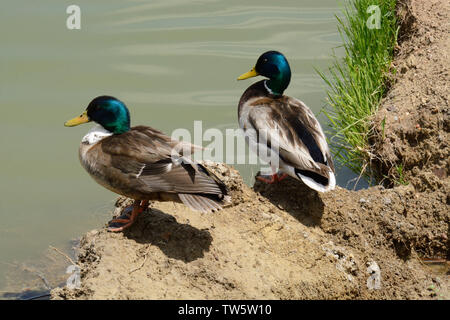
{"points": [[147, 161]]}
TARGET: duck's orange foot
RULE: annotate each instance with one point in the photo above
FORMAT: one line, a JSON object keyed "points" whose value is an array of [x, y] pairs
{"points": [[270, 179], [127, 219]]}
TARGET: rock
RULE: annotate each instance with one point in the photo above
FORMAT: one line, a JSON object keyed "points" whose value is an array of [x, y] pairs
{"points": [[374, 280], [391, 108], [411, 61]]}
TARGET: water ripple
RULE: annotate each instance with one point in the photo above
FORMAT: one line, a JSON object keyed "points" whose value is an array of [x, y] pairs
{"points": [[237, 17]]}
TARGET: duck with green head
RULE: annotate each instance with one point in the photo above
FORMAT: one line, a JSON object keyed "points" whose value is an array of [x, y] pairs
{"points": [[292, 139], [143, 163]]}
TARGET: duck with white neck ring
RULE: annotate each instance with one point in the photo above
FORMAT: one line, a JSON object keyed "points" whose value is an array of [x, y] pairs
{"points": [[301, 149], [143, 163]]}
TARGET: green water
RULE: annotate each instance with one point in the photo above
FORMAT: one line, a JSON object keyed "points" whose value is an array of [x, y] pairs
{"points": [[171, 62]]}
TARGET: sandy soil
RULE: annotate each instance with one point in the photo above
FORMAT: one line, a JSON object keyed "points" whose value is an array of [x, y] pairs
{"points": [[286, 241]]}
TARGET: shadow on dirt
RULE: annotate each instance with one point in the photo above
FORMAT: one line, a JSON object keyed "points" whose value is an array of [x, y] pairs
{"points": [[303, 203], [178, 241]]}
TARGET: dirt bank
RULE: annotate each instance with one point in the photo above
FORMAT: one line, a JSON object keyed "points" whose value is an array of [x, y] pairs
{"points": [[286, 241], [416, 115], [280, 242]]}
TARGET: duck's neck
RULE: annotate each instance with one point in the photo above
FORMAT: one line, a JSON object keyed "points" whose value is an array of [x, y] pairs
{"points": [[96, 134], [278, 84], [119, 125]]}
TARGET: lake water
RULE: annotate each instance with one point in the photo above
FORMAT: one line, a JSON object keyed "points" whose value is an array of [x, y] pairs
{"points": [[171, 61]]}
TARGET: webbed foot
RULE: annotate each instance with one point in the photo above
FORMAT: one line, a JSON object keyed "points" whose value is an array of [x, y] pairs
{"points": [[126, 218], [270, 179]]}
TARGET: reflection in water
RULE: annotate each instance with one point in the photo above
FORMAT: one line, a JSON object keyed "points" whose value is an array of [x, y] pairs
{"points": [[171, 62]]}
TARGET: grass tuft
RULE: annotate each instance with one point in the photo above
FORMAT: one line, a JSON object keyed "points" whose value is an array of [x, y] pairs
{"points": [[357, 82]]}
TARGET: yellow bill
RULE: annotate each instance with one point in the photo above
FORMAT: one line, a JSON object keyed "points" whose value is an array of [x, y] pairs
{"points": [[77, 120], [252, 73]]}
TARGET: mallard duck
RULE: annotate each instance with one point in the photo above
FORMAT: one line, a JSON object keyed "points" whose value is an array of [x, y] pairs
{"points": [[292, 135], [143, 163]]}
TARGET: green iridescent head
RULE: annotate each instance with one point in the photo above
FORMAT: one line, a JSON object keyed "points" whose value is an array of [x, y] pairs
{"points": [[272, 65], [111, 113]]}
